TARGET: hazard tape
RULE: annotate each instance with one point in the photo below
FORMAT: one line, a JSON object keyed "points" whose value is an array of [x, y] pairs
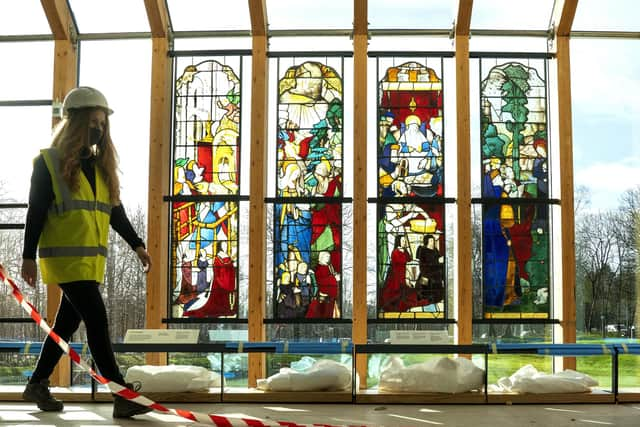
{"points": [[210, 419]]}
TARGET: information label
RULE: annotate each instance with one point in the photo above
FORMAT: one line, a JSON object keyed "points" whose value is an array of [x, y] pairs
{"points": [[419, 337], [161, 336]]}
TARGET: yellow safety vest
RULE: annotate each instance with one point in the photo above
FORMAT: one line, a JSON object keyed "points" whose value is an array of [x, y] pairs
{"points": [[74, 240]]}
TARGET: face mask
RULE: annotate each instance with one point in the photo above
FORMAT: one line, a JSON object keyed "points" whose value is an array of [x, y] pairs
{"points": [[95, 136]]}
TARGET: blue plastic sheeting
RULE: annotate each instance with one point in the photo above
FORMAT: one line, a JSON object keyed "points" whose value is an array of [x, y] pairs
{"points": [[34, 347], [555, 349], [347, 347], [627, 348]]}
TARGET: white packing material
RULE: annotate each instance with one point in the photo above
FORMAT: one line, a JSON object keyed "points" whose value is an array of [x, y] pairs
{"points": [[528, 379], [437, 375], [323, 375], [172, 378]]}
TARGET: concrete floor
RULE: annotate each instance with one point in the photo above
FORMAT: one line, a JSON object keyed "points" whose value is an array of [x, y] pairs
{"points": [[15, 414]]}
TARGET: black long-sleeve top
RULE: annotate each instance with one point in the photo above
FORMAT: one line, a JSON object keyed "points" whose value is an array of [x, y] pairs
{"points": [[41, 198]]}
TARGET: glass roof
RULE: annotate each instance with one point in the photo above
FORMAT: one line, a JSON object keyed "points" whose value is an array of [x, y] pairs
{"points": [[596, 15], [208, 15], [511, 14], [23, 17], [412, 14], [27, 17], [113, 16], [296, 14]]}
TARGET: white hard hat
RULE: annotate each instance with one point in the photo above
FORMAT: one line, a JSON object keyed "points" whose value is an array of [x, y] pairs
{"points": [[84, 97]]}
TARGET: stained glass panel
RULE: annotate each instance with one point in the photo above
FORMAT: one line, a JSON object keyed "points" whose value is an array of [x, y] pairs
{"points": [[310, 116], [308, 261], [410, 135], [206, 178], [515, 234], [207, 129], [411, 265], [516, 268], [308, 230]]}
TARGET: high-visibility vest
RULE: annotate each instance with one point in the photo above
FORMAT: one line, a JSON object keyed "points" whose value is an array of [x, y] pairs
{"points": [[74, 240]]}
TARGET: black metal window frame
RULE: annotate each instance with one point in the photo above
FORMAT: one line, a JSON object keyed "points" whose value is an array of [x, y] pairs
{"points": [[484, 202], [381, 201], [305, 57], [203, 55]]}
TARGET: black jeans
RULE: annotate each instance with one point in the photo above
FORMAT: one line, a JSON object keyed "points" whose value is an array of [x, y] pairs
{"points": [[81, 301]]}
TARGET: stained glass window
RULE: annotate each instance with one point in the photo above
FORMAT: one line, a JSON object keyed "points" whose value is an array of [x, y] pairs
{"points": [[309, 186], [205, 194], [515, 189], [411, 207]]}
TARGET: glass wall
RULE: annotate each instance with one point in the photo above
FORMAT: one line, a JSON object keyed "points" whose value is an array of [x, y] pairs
{"points": [[606, 157], [25, 128]]}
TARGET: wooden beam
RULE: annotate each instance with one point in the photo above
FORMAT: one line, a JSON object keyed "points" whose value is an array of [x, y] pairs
{"points": [[59, 17], [360, 17], [257, 193], [158, 16], [65, 78], [463, 246], [463, 17], [360, 47], [65, 70], [258, 14], [567, 217], [159, 173], [562, 16]]}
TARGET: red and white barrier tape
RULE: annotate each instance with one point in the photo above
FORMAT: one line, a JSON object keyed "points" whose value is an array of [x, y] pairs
{"points": [[210, 419]]}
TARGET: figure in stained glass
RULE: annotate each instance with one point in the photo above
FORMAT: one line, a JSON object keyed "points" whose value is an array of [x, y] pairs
{"points": [[219, 300], [188, 291], [431, 277], [514, 159], [323, 304], [397, 295]]}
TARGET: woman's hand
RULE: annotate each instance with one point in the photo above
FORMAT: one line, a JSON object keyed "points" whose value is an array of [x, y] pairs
{"points": [[29, 271], [144, 257]]}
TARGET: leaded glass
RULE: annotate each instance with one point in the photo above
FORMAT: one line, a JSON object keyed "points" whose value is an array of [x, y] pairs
{"points": [[515, 190], [411, 279], [308, 229], [410, 135], [205, 192], [411, 268]]}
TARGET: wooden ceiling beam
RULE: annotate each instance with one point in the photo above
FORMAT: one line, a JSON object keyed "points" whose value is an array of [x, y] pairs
{"points": [[463, 17], [60, 20], [360, 19], [158, 17], [562, 16], [258, 13]]}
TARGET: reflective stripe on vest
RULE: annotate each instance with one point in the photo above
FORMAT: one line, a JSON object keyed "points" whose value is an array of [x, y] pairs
{"points": [[87, 205], [78, 251]]}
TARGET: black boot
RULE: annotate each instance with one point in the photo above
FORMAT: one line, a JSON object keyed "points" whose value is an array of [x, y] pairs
{"points": [[123, 408], [39, 393]]}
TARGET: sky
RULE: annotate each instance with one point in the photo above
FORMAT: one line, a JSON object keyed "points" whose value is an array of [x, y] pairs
{"points": [[604, 79]]}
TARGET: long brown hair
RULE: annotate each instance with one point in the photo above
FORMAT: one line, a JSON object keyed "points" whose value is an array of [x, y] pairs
{"points": [[71, 138]]}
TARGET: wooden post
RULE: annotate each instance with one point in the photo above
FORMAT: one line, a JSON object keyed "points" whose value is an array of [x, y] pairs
{"points": [[65, 77], [360, 47], [562, 19], [258, 187], [567, 219], [463, 125], [159, 172]]}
